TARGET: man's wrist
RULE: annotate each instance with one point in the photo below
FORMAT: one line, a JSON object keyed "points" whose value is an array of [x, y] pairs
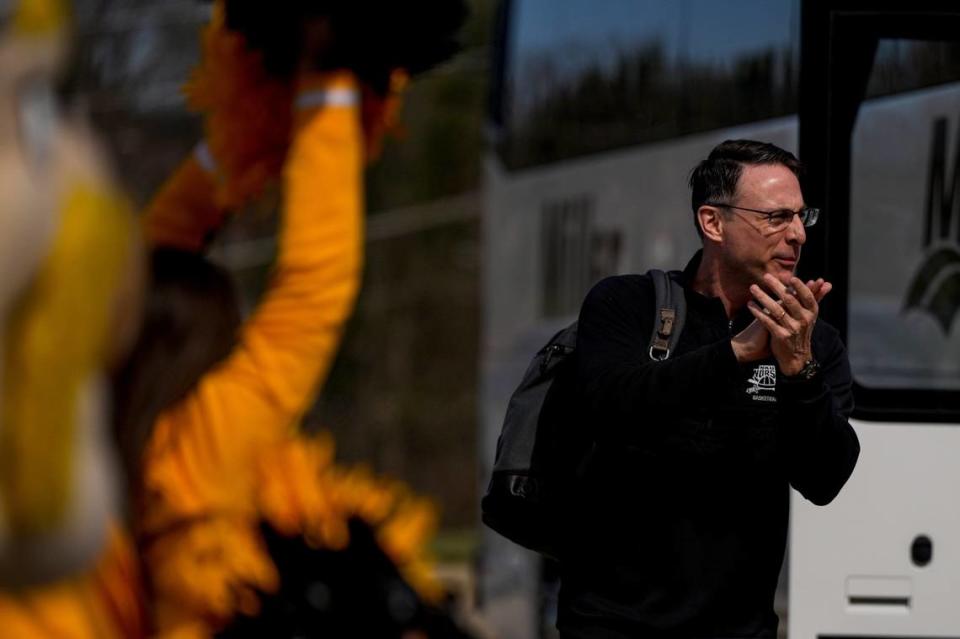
{"points": [[806, 372], [738, 351]]}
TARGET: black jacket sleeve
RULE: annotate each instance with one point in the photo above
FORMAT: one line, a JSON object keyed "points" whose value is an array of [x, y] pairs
{"points": [[820, 446], [621, 388]]}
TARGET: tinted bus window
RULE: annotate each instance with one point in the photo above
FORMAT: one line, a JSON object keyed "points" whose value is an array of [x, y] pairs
{"points": [[907, 65], [584, 77], [905, 221]]}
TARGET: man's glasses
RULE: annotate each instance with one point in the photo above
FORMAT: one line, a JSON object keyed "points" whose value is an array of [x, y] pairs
{"points": [[778, 220]]}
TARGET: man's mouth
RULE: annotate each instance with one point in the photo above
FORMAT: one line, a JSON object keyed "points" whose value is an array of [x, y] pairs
{"points": [[785, 261]]}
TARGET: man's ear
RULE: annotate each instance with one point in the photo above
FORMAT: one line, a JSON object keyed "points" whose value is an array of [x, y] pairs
{"points": [[711, 223]]}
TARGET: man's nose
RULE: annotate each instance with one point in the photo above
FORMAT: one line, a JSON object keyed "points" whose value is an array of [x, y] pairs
{"points": [[796, 232]]}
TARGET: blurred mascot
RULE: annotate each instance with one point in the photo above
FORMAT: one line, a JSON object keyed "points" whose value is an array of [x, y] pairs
{"points": [[68, 239], [70, 264]]}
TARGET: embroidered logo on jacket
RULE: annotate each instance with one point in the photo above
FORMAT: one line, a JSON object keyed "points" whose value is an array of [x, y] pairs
{"points": [[763, 384]]}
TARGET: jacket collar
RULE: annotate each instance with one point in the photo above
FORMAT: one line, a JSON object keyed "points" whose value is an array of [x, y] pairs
{"points": [[710, 306]]}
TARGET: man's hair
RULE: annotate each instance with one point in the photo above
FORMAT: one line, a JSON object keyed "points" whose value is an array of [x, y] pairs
{"points": [[715, 179]]}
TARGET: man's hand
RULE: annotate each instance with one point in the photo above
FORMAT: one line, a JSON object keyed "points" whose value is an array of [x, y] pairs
{"points": [[789, 321], [752, 343]]}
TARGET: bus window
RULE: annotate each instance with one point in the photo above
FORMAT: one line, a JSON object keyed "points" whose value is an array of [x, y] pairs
{"points": [[585, 77], [908, 65], [905, 221]]}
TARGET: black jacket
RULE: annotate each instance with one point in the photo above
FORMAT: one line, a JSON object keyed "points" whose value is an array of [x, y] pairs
{"points": [[681, 513]]}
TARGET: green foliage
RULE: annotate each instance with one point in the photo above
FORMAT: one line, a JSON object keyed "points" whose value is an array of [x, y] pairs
{"points": [[440, 146], [642, 97], [402, 395]]}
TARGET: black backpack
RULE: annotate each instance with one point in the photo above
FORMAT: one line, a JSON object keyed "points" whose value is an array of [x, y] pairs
{"points": [[542, 446]]}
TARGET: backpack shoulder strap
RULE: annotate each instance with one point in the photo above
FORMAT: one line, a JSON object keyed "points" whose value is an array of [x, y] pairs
{"points": [[560, 345], [671, 309]]}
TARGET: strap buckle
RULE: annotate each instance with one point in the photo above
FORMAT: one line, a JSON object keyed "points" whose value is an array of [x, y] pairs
{"points": [[660, 348], [659, 354]]}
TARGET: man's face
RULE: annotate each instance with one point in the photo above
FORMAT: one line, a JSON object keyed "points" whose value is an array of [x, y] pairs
{"points": [[751, 246]]}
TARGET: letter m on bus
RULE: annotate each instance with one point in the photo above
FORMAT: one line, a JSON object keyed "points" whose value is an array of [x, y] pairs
{"points": [[935, 288]]}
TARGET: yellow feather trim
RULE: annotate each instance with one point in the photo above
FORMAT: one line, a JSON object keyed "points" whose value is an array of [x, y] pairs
{"points": [[381, 114], [316, 498], [209, 570], [248, 115]]}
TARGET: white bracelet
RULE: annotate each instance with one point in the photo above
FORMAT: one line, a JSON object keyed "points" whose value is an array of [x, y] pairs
{"points": [[339, 97], [204, 158]]}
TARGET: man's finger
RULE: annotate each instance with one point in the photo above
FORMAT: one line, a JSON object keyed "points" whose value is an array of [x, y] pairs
{"points": [[803, 293], [819, 288], [767, 304], [787, 297], [824, 289], [772, 326]]}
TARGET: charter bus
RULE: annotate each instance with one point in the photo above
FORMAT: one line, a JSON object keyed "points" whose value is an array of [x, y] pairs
{"points": [[600, 108]]}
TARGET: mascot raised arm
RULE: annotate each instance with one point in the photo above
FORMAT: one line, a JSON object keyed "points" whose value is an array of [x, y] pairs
{"points": [[246, 527]]}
